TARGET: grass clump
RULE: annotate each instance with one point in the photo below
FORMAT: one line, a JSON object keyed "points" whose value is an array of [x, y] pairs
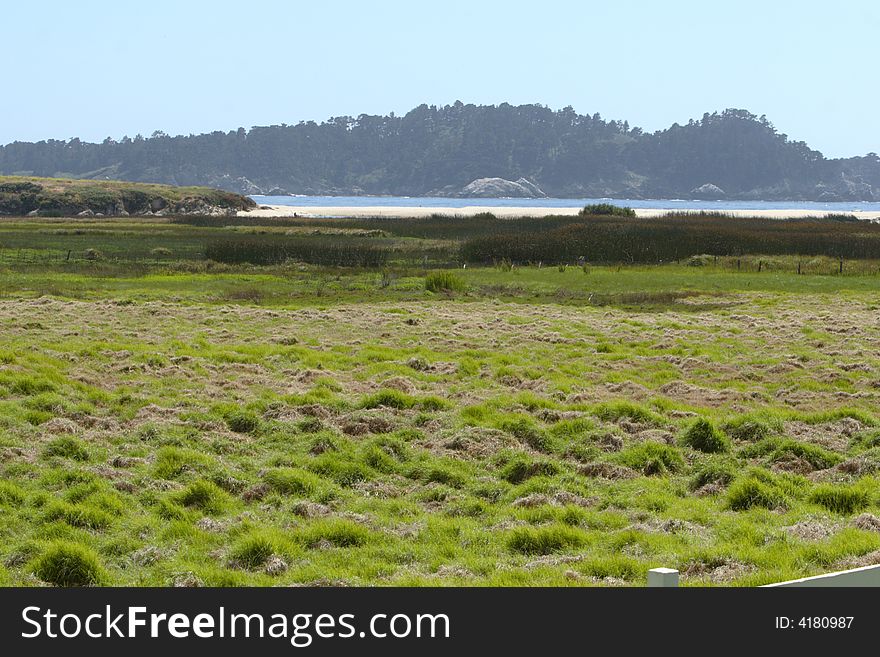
{"points": [[703, 436], [750, 492], [544, 540], [652, 458], [339, 469], [337, 532], [11, 495], [79, 515], [746, 428], [390, 398], [718, 473], [844, 500], [776, 450], [203, 495], [443, 281], [292, 481], [615, 411], [520, 468], [253, 551], [242, 421], [67, 447], [171, 462], [69, 564], [524, 429]]}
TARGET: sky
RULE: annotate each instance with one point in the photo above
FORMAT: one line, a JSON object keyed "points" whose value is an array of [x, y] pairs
{"points": [[97, 69]]}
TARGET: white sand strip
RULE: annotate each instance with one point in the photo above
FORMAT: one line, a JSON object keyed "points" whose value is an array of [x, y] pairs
{"points": [[507, 212]]}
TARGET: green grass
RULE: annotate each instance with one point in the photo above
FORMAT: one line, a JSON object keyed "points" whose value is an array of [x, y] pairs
{"points": [[167, 420]]}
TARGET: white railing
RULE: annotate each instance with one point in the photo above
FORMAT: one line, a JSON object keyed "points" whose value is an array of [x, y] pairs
{"points": [[865, 576]]}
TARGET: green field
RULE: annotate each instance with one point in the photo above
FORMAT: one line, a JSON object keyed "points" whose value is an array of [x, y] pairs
{"points": [[166, 419]]}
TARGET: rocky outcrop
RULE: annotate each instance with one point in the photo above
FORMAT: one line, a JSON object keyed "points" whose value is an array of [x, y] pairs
{"points": [[708, 192], [501, 188]]}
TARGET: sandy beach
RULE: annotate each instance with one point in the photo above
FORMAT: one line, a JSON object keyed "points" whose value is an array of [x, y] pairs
{"points": [[507, 212]]}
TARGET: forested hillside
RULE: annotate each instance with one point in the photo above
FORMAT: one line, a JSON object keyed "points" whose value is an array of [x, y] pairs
{"points": [[439, 150]]}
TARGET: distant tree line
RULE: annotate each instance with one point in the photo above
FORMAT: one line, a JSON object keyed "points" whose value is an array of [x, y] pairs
{"points": [[438, 150]]}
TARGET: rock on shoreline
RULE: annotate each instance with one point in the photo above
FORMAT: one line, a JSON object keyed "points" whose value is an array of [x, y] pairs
{"points": [[501, 188]]}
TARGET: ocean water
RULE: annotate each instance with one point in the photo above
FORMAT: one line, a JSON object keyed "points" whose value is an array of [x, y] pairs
{"points": [[663, 204]]}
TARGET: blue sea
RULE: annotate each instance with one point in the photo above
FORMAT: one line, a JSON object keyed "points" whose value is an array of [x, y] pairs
{"points": [[662, 204]]}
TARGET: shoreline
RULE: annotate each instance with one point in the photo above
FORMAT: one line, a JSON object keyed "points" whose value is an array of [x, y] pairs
{"points": [[418, 212]]}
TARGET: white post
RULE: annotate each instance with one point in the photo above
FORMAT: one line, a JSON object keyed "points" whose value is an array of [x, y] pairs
{"points": [[663, 577]]}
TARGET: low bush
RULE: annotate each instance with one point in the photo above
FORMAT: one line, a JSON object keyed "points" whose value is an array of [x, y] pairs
{"points": [[607, 210]]}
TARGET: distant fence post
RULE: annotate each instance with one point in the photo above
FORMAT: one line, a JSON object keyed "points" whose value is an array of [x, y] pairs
{"points": [[666, 578]]}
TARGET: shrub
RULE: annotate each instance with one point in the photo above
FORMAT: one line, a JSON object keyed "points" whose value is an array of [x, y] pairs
{"points": [[242, 421], [749, 493], [704, 437], [443, 281], [840, 499], [606, 209], [544, 540], [67, 447], [69, 564], [652, 458]]}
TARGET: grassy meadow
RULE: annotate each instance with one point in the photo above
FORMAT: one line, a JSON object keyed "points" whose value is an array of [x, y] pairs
{"points": [[340, 402]]}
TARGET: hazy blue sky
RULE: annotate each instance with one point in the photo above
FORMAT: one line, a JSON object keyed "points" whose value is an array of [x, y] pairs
{"points": [[97, 69]]}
